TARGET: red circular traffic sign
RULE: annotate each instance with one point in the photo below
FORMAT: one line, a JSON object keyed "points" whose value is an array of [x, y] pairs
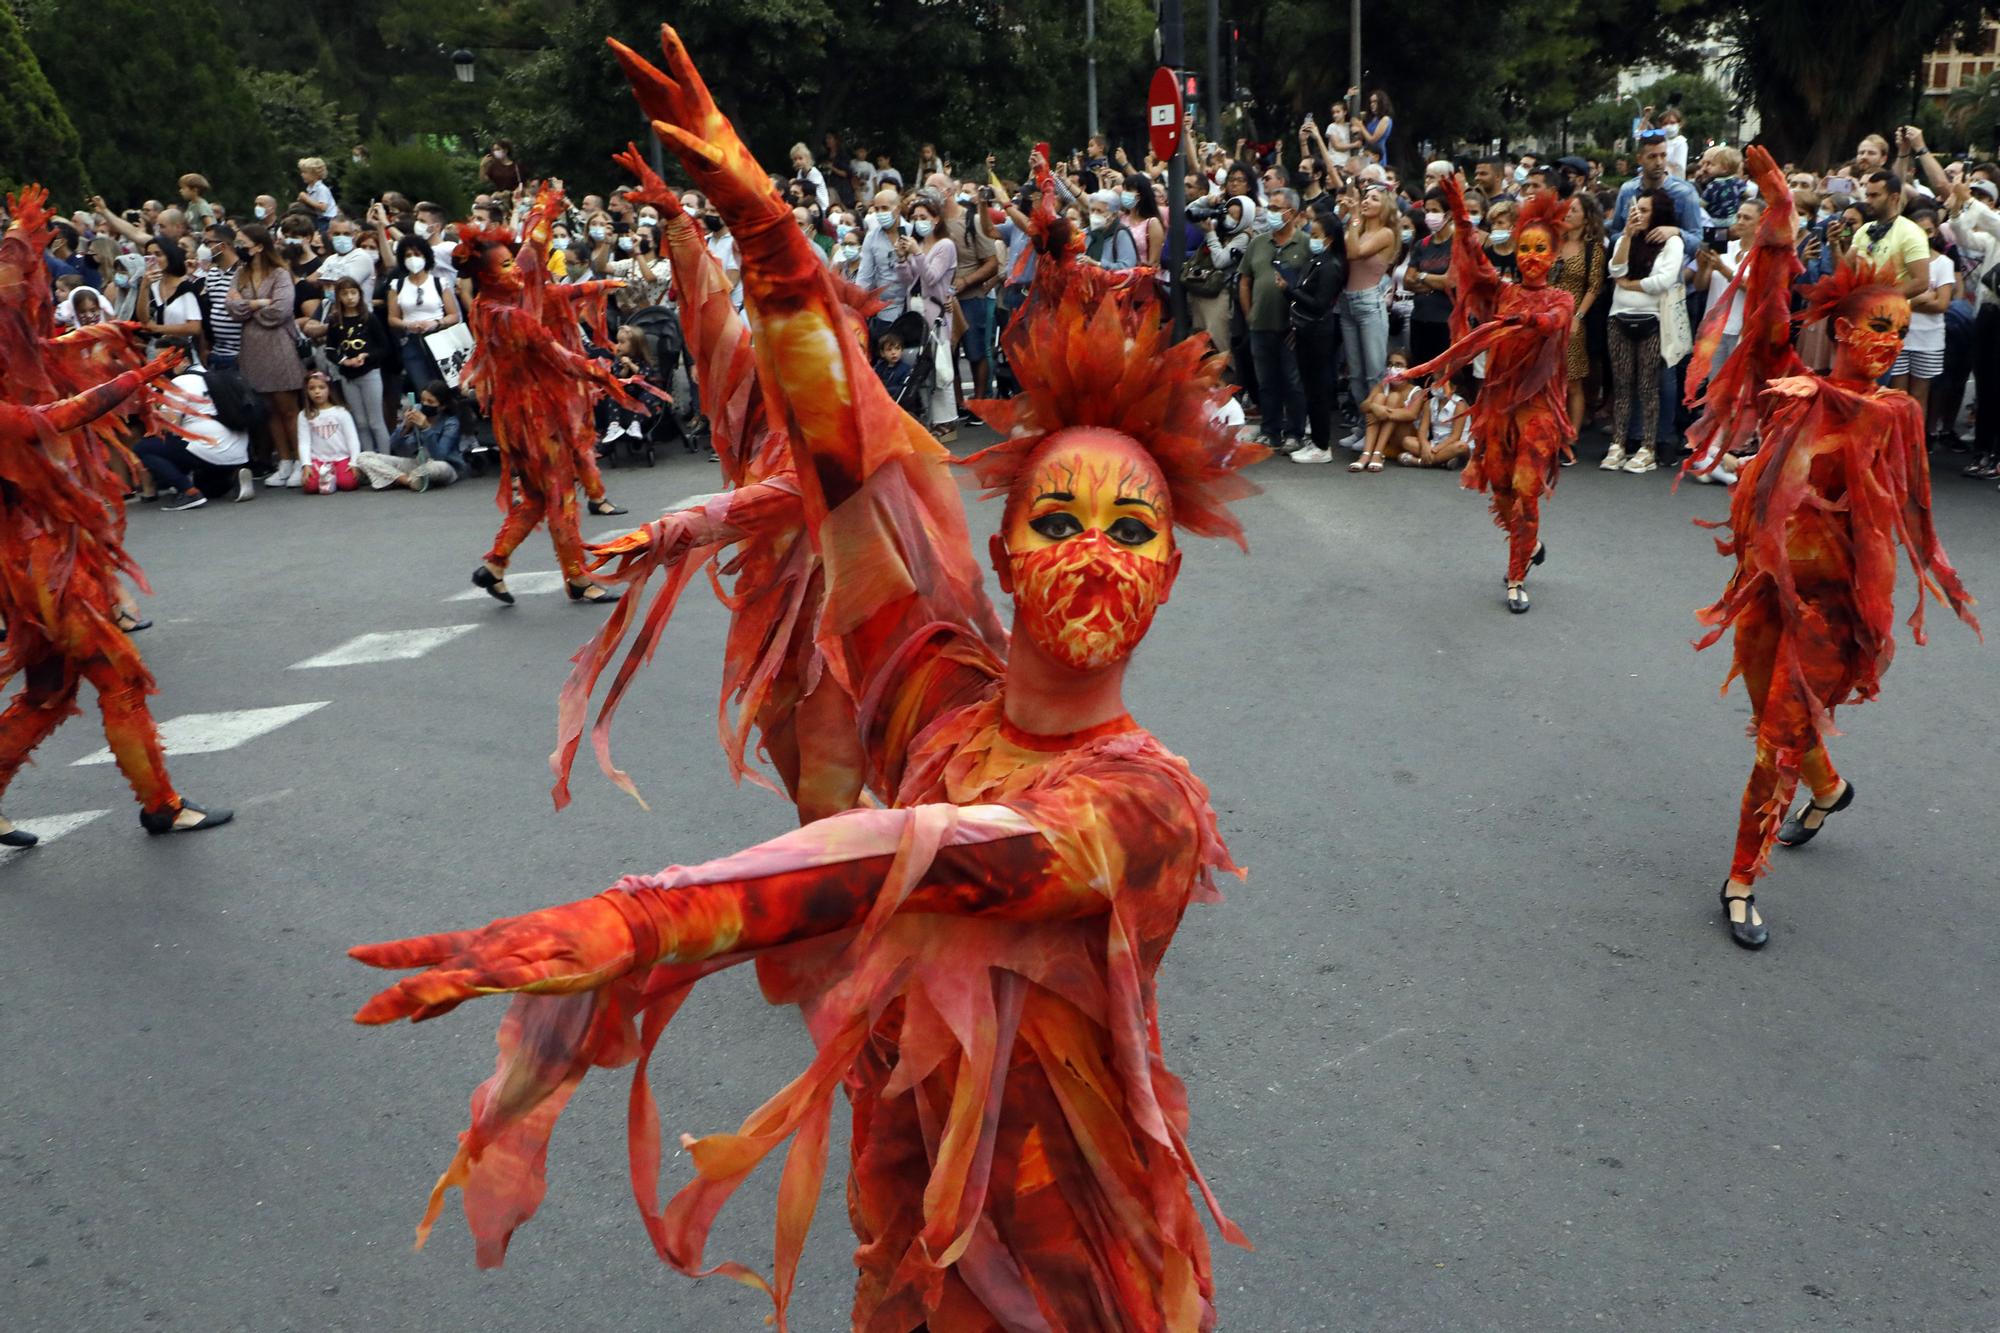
{"points": [[1163, 113]]}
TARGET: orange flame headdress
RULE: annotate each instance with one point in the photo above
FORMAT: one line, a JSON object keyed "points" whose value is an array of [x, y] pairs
{"points": [[1849, 285], [1081, 365]]}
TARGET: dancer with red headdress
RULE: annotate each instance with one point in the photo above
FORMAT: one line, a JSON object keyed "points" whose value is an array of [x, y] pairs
{"points": [[1840, 478], [975, 958], [1520, 421], [537, 390], [62, 528]]}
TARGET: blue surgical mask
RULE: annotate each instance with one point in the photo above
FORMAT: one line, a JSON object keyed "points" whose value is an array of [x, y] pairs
{"points": [[342, 244], [1128, 200], [849, 253], [1502, 235], [923, 227], [1273, 219], [1520, 175], [1474, 218], [627, 244], [1316, 245], [258, 210], [598, 233]]}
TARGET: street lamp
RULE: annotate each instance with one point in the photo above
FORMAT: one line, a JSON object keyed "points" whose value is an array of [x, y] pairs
{"points": [[461, 63]]}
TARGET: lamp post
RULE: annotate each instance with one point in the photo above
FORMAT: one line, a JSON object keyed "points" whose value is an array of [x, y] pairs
{"points": [[461, 64]]}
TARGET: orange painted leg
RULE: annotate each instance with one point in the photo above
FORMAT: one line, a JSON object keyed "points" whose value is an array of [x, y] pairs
{"points": [[522, 516], [47, 697], [587, 471], [566, 531], [134, 740], [1821, 778], [1766, 798]]}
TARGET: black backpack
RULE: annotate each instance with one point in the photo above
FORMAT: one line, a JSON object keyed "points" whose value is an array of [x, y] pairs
{"points": [[237, 405]]}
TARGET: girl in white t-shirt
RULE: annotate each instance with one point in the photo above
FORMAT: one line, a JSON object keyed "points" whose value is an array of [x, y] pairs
{"points": [[1922, 357], [329, 445]]}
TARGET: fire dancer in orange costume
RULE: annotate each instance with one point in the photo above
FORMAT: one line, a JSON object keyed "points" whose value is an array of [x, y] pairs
{"points": [[1521, 418], [1840, 478], [62, 531], [975, 959]]}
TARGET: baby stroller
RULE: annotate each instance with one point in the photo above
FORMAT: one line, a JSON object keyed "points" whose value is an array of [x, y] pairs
{"points": [[664, 342], [920, 355]]}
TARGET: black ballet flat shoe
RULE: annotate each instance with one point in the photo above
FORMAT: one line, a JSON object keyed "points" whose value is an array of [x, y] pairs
{"points": [[1747, 933], [595, 593], [1541, 553], [483, 577], [132, 624], [605, 509], [159, 822], [1794, 833], [1517, 600], [19, 837]]}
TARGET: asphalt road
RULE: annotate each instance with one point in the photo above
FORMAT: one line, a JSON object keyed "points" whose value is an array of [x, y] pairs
{"points": [[1468, 1051]]}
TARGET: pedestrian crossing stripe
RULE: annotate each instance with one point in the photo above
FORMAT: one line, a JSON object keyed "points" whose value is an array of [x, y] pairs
{"points": [[391, 646], [207, 733], [50, 827], [521, 585]]}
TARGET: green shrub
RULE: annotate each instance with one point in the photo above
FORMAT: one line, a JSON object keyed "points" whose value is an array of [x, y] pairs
{"points": [[418, 171], [37, 140]]}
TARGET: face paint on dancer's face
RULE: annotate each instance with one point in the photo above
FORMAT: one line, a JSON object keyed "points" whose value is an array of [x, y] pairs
{"points": [[1875, 334], [1534, 255], [1088, 550]]}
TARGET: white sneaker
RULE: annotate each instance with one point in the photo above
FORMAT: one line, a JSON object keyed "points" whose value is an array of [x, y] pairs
{"points": [[1352, 441], [1642, 461], [612, 433], [246, 488], [296, 478], [1312, 453], [1614, 458], [282, 472]]}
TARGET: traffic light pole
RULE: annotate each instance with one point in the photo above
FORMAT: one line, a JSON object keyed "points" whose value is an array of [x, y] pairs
{"points": [[1173, 54], [1215, 69]]}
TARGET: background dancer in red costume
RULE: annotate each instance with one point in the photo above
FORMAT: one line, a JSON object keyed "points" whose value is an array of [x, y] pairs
{"points": [[62, 527], [534, 388], [975, 961], [1521, 420], [1840, 479]]}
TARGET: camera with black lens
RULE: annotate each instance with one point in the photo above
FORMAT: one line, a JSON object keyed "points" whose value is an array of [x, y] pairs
{"points": [[1201, 210]]}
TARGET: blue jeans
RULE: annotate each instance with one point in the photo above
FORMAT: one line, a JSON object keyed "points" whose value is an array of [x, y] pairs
{"points": [[419, 368], [1281, 394], [1364, 329]]}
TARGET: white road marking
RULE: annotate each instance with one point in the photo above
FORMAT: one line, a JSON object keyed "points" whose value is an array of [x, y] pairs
{"points": [[521, 585], [391, 646], [206, 733], [50, 827]]}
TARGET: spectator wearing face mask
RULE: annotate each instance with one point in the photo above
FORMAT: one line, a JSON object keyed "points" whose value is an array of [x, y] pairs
{"points": [[1430, 282], [426, 450], [348, 259], [169, 306], [1677, 145], [1373, 240], [1225, 236], [263, 298], [1272, 263], [430, 225], [1647, 274], [420, 302], [927, 260], [1315, 324], [222, 332], [500, 169], [974, 279], [1109, 244], [1142, 218], [877, 270]]}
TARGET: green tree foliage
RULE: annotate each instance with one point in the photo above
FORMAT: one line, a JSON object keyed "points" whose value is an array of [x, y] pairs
{"points": [[1822, 75], [161, 97], [418, 170], [37, 140], [303, 120], [887, 75]]}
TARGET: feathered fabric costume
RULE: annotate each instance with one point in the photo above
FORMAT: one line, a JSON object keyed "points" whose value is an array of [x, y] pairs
{"points": [[975, 959], [1520, 420], [62, 518], [1840, 479], [535, 384]]}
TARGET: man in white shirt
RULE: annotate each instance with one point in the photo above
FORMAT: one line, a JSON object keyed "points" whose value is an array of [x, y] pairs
{"points": [[348, 259]]}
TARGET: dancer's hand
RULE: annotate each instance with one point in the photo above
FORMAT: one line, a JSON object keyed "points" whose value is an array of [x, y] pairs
{"points": [[650, 189], [686, 118], [556, 951]]}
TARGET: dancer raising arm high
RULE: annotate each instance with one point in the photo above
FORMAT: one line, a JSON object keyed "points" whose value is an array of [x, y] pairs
{"points": [[1840, 479]]}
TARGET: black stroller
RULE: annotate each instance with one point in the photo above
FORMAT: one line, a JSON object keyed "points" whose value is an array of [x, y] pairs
{"points": [[662, 327], [920, 343]]}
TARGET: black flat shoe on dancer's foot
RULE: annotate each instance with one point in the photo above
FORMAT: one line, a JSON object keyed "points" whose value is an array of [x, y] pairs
{"points": [[1747, 933], [18, 837], [1541, 553], [590, 592], [1517, 599], [157, 822], [1794, 831], [132, 624], [605, 509], [495, 584]]}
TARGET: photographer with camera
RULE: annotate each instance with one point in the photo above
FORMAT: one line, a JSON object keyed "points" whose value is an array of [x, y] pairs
{"points": [[1210, 273]]}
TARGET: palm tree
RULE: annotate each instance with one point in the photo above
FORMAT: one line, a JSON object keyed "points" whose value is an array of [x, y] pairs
{"points": [[1973, 108]]}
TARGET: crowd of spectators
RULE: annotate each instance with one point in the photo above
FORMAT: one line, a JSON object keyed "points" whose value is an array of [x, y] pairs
{"points": [[314, 325]]}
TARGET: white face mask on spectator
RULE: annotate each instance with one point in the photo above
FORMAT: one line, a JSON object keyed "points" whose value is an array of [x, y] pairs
{"points": [[424, 230], [414, 263], [203, 255], [342, 244], [923, 226], [598, 233], [627, 244]]}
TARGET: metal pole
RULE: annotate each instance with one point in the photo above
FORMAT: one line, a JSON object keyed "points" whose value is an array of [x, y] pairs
{"points": [[1354, 56], [1215, 70], [1173, 53], [1090, 59]]}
